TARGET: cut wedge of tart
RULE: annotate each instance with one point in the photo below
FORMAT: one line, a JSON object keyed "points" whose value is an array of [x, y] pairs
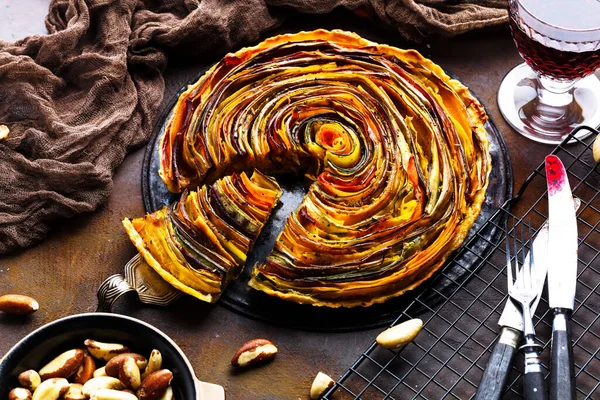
{"points": [[199, 244]]}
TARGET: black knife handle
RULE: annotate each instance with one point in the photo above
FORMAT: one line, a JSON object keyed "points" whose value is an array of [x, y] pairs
{"points": [[562, 374], [535, 388], [496, 371]]}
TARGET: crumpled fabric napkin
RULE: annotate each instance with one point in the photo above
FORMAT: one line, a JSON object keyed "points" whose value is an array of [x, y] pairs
{"points": [[77, 100]]}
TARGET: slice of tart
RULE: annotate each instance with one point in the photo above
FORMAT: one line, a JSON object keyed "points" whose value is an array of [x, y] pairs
{"points": [[200, 243]]}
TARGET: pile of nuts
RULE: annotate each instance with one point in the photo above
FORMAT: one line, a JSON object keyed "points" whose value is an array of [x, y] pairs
{"points": [[76, 375]]}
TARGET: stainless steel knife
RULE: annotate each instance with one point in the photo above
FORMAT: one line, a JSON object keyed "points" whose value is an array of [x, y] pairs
{"points": [[562, 276], [499, 364]]}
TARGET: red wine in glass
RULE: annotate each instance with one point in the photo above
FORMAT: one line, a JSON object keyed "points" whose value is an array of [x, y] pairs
{"points": [[560, 43], [555, 63]]}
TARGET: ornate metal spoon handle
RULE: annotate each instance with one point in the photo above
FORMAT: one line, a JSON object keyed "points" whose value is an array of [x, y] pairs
{"points": [[141, 278], [110, 290]]}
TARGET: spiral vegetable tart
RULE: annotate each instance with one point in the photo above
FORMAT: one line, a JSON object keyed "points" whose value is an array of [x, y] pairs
{"points": [[394, 151]]}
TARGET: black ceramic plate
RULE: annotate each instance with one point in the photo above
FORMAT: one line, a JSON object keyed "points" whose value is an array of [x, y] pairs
{"points": [[240, 297]]}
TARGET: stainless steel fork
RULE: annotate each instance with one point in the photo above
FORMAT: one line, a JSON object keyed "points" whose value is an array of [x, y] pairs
{"points": [[523, 291]]}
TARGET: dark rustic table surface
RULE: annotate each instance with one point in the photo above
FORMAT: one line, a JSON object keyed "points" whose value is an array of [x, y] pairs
{"points": [[64, 272]]}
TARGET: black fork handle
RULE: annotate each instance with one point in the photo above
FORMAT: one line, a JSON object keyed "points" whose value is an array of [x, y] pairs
{"points": [[535, 387]]}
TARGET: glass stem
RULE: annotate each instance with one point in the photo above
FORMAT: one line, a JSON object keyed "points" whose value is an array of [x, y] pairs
{"points": [[555, 93]]}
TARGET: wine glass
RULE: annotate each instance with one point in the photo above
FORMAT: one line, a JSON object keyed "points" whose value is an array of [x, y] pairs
{"points": [[555, 90]]}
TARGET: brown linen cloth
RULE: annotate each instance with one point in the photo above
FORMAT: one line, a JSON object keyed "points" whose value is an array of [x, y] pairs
{"points": [[76, 101]]}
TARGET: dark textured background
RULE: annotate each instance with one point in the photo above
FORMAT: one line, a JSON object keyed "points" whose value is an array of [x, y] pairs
{"points": [[64, 271]]}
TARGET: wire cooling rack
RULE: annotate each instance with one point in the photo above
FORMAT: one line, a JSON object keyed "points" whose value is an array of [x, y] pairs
{"points": [[448, 357]]}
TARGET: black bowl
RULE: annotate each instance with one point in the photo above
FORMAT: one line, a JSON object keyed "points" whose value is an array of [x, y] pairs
{"points": [[45, 343]]}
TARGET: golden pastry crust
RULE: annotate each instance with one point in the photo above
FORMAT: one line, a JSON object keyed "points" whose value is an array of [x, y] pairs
{"points": [[395, 150]]}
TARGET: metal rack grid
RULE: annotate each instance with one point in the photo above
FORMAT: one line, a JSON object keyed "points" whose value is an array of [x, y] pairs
{"points": [[448, 357]]}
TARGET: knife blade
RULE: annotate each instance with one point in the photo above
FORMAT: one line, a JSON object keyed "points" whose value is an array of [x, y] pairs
{"points": [[511, 320], [562, 276]]}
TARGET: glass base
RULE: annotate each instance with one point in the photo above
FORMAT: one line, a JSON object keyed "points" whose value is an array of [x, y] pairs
{"points": [[524, 109]]}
